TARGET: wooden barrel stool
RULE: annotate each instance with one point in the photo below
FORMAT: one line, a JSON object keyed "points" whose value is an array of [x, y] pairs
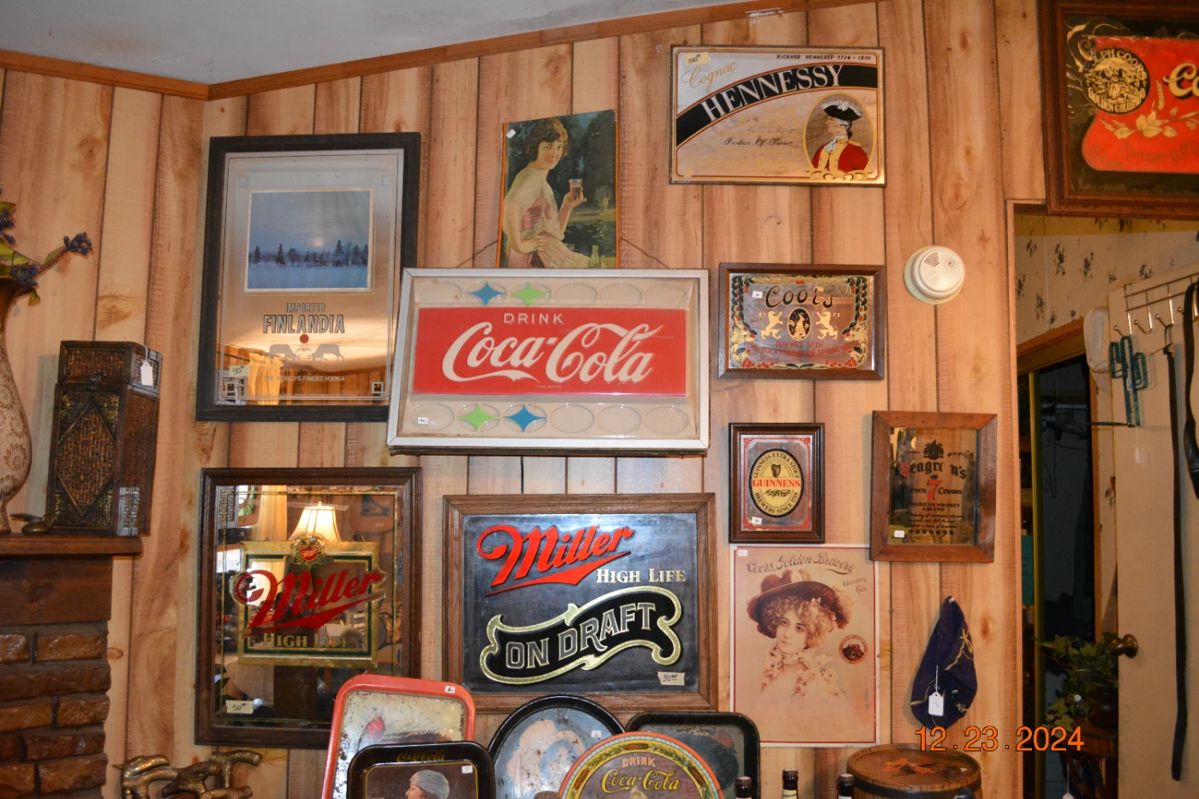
{"points": [[903, 771]]}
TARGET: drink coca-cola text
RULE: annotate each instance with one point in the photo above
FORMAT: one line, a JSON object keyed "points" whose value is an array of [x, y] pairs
{"points": [[571, 350]]}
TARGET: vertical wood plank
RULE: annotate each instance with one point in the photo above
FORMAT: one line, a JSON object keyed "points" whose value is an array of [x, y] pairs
{"points": [[1020, 100], [911, 367], [159, 649], [337, 104], [848, 228], [122, 286], [529, 84], [595, 77], [647, 202], [394, 101], [453, 112], [976, 371], [764, 224], [53, 150]]}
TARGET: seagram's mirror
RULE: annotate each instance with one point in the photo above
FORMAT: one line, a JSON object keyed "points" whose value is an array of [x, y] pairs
{"points": [[307, 578]]}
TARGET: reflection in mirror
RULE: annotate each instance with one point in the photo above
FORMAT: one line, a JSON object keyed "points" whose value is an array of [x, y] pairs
{"points": [[306, 584]]}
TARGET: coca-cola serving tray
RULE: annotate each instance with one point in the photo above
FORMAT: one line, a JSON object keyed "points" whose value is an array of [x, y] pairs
{"points": [[520, 359]]}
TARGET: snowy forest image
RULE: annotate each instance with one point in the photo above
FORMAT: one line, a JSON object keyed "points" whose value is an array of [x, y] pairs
{"points": [[316, 240]]}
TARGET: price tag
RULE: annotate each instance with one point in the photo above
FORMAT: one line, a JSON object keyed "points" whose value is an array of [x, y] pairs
{"points": [[239, 707], [468, 769], [422, 420], [696, 59], [147, 374], [897, 533], [936, 704], [755, 520], [450, 689], [670, 677], [742, 553], [756, 294]]}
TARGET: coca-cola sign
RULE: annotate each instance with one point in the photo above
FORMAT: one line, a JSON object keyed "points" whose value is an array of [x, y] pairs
{"points": [[562, 351], [551, 359]]}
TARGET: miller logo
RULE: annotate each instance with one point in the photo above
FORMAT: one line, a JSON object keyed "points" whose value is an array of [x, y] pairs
{"points": [[547, 556], [308, 598], [776, 482]]}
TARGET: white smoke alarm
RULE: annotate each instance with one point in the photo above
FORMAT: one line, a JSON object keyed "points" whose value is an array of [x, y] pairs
{"points": [[934, 274]]}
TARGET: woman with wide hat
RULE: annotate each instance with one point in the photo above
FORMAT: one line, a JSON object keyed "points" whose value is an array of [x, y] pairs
{"points": [[799, 616]]}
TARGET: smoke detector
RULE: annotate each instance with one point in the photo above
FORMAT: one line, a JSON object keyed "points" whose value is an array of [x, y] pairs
{"points": [[934, 274]]}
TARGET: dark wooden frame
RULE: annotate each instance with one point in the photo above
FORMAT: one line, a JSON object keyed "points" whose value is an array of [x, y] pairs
{"points": [[739, 475], [707, 659], [406, 480], [982, 550], [405, 257], [1150, 198], [418, 755], [540, 705], [878, 322], [736, 721]]}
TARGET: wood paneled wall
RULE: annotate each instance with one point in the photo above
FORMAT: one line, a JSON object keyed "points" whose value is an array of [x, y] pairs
{"points": [[962, 137]]}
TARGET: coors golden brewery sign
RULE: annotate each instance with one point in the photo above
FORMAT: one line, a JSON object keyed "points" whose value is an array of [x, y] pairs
{"points": [[770, 115]]}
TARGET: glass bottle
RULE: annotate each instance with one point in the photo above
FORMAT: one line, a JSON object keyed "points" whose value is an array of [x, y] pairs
{"points": [[845, 786], [790, 783], [744, 788], [594, 261]]}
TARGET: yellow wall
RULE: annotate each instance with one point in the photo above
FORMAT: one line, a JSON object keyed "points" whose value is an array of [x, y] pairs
{"points": [[963, 136]]}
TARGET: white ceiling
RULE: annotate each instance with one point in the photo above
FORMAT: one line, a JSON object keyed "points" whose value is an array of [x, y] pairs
{"points": [[212, 41]]}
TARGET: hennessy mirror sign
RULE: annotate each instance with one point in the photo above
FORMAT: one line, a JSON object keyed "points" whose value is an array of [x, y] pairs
{"points": [[524, 359], [570, 597]]}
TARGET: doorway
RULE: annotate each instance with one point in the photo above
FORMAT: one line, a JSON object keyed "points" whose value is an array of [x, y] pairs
{"points": [[1058, 530]]}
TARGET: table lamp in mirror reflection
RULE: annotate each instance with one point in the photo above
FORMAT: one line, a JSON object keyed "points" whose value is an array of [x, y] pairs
{"points": [[318, 520]]}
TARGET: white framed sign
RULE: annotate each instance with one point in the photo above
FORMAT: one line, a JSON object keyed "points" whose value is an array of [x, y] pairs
{"points": [[532, 359]]}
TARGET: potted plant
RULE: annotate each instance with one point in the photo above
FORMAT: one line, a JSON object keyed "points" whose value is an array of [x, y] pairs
{"points": [[1090, 678]]}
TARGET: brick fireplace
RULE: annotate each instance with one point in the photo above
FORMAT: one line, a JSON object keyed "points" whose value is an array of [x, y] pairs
{"points": [[55, 601]]}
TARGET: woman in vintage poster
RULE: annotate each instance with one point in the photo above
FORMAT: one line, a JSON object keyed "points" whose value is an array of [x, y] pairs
{"points": [[799, 616], [840, 154], [804, 649], [534, 221]]}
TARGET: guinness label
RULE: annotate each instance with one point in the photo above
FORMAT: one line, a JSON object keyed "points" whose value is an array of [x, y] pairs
{"points": [[776, 482]]}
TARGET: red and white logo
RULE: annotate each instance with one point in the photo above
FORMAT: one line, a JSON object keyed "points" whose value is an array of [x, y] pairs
{"points": [[612, 351]]}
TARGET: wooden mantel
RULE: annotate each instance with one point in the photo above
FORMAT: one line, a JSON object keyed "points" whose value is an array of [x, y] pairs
{"points": [[17, 545]]}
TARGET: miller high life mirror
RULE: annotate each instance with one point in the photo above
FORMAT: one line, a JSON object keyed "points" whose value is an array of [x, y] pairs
{"points": [[803, 115], [308, 601], [551, 359], [602, 595]]}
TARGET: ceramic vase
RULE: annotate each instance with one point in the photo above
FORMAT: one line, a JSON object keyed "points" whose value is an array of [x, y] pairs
{"points": [[16, 449]]}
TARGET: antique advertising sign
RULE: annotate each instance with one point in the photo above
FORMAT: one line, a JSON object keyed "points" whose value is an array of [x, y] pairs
{"points": [[776, 491], [1122, 107], [805, 643], [536, 359], [777, 115], [599, 595], [304, 238], [933, 486], [308, 601], [641, 764], [810, 321]]}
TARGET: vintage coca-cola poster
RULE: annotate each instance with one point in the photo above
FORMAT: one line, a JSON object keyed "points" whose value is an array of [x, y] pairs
{"points": [[529, 359], [606, 596], [1122, 104]]}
